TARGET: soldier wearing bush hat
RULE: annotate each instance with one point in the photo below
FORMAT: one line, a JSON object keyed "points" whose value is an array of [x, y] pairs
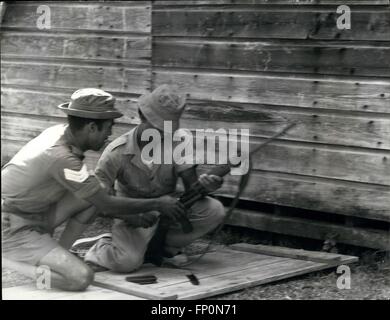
{"points": [[165, 103], [46, 183]]}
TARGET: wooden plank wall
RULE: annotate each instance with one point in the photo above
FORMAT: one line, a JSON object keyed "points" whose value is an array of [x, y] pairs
{"points": [[90, 44], [243, 62]]}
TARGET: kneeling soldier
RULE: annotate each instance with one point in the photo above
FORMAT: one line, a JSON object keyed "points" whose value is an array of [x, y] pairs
{"points": [[123, 170], [46, 184]]}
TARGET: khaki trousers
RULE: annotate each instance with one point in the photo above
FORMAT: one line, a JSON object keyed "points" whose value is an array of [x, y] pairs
{"points": [[126, 250]]}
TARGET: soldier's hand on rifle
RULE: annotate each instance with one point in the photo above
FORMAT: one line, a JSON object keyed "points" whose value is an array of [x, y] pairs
{"points": [[210, 182], [171, 208]]}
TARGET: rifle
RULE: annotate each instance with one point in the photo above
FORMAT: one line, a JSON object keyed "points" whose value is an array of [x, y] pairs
{"points": [[197, 191]]}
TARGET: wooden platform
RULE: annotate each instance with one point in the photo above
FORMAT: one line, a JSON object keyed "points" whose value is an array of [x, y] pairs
{"points": [[221, 271], [31, 292]]}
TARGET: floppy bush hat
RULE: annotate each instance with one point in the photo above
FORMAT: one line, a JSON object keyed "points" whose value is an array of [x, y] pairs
{"points": [[91, 103], [165, 103]]}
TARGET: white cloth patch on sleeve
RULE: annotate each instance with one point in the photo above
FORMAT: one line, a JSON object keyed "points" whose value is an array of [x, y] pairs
{"points": [[77, 176]]}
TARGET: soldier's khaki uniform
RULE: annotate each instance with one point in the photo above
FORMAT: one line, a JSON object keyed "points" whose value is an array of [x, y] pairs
{"points": [[44, 172], [122, 170]]}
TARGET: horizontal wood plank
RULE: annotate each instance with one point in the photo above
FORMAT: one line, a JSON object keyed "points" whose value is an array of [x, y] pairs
{"points": [[366, 201], [308, 92], [10, 147], [135, 290], [261, 120], [167, 3], [25, 128], [45, 104], [299, 254], [75, 77], [30, 292], [116, 3], [316, 58], [317, 162], [95, 17], [365, 237], [316, 127], [130, 50], [251, 23]]}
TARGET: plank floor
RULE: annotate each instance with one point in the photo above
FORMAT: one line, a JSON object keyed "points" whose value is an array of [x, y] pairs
{"points": [[219, 272], [30, 292]]}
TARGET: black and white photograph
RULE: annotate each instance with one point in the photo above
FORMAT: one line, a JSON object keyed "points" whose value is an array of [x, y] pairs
{"points": [[212, 151]]}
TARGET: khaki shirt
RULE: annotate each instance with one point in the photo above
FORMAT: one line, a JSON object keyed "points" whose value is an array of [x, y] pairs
{"points": [[121, 169], [47, 167]]}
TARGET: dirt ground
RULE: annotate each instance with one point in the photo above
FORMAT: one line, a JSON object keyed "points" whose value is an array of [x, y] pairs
{"points": [[370, 277]]}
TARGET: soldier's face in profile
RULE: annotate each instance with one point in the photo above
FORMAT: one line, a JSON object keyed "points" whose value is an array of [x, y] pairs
{"points": [[99, 138]]}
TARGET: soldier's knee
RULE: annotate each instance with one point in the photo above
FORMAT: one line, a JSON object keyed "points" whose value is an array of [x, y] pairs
{"points": [[127, 263], [80, 278], [216, 210]]}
